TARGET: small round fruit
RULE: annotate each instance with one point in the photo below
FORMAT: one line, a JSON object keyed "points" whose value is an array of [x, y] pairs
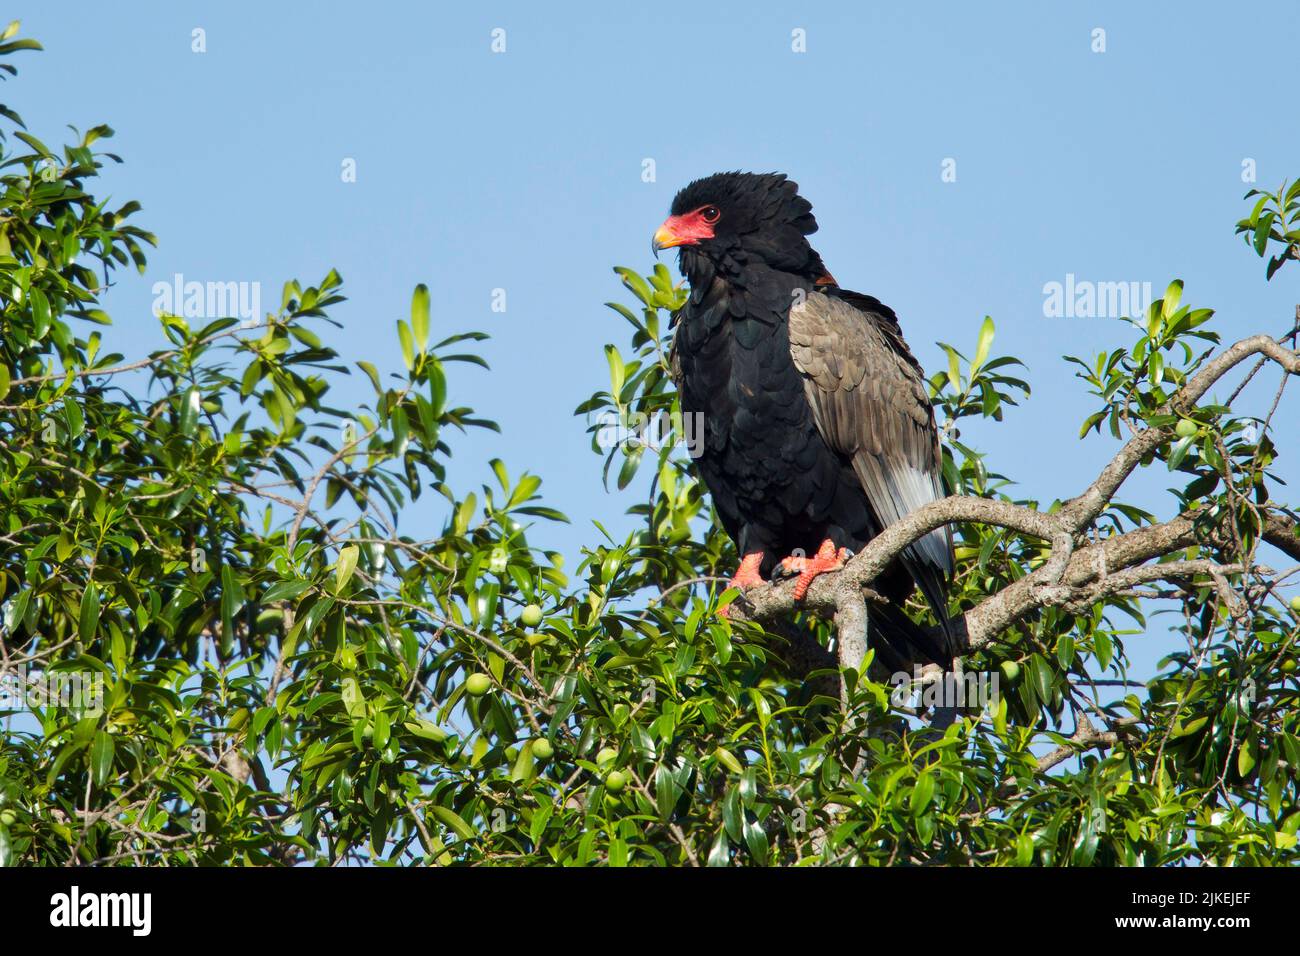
{"points": [[7, 817], [478, 684], [1295, 604], [1011, 671], [532, 616], [1185, 428], [606, 756], [542, 749], [348, 659], [1289, 666], [615, 781]]}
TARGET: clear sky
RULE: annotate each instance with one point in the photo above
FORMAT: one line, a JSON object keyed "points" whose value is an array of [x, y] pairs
{"points": [[522, 170]]}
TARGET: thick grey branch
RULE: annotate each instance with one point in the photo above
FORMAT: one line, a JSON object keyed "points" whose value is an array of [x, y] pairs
{"points": [[1073, 570]]}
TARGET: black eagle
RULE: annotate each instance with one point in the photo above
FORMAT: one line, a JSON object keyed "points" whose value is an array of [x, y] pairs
{"points": [[818, 430]]}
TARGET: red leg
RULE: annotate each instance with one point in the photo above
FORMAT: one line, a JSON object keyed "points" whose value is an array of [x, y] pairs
{"points": [[746, 575], [826, 559]]}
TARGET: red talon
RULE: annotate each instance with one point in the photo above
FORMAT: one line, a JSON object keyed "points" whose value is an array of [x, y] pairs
{"points": [[746, 576], [827, 559]]}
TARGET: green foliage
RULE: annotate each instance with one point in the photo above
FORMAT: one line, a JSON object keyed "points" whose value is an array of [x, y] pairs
{"points": [[289, 676], [1274, 220]]}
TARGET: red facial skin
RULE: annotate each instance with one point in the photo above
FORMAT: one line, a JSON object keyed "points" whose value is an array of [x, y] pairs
{"points": [[688, 229]]}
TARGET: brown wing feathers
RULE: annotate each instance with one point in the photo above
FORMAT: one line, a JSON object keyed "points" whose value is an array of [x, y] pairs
{"points": [[870, 404]]}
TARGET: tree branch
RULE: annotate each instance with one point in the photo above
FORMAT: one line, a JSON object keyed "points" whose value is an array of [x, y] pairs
{"points": [[1073, 570]]}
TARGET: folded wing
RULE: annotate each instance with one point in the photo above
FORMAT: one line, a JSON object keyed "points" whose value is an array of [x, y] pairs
{"points": [[871, 404]]}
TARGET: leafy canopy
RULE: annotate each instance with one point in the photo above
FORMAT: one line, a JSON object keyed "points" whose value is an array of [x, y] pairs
{"points": [[288, 676]]}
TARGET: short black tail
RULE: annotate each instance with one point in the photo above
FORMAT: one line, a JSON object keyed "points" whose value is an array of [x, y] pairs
{"points": [[900, 643]]}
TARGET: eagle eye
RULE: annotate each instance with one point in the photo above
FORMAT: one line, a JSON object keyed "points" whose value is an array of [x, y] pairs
{"points": [[710, 214]]}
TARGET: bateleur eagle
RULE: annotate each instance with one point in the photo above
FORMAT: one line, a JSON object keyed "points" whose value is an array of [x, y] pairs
{"points": [[817, 425]]}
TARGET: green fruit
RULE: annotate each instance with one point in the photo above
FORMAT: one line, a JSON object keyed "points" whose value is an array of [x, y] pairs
{"points": [[7, 817], [348, 659], [1289, 665], [532, 616], [1295, 604], [615, 781], [542, 749], [1185, 428], [606, 756], [1011, 671], [478, 684]]}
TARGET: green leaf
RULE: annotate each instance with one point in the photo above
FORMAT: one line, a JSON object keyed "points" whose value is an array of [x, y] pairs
{"points": [[1262, 229], [1102, 645], [719, 853], [1173, 295], [1179, 452], [101, 757], [982, 346], [452, 819], [728, 759], [426, 729], [1065, 650], [541, 817], [1042, 676], [75, 419], [756, 841], [1246, 756], [408, 346], [420, 316], [191, 402], [383, 728], [232, 598], [640, 288], [354, 702], [88, 618], [347, 564], [284, 591], [373, 374], [617, 370], [922, 793]]}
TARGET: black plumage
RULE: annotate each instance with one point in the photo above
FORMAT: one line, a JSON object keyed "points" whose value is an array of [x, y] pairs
{"points": [[816, 419]]}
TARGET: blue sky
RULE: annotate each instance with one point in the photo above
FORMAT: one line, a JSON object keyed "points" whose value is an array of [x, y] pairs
{"points": [[522, 170]]}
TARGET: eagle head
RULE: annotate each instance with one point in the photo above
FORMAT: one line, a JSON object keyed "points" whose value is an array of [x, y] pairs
{"points": [[732, 219]]}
